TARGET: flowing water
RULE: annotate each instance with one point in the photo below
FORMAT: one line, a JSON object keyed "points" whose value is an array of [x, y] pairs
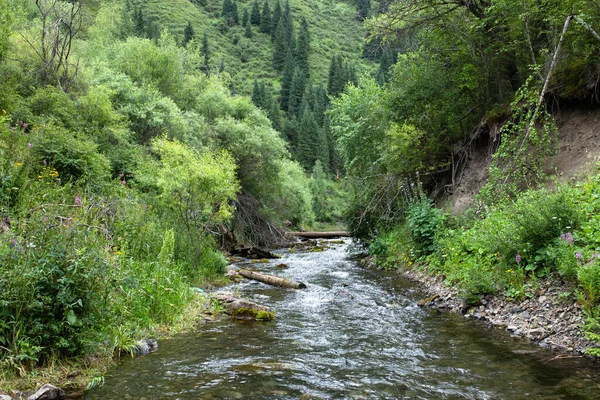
{"points": [[354, 333]]}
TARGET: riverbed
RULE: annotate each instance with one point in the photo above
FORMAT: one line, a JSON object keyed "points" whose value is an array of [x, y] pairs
{"points": [[354, 333]]}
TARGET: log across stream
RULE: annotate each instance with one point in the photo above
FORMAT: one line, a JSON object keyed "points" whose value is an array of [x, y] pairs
{"points": [[353, 333]]}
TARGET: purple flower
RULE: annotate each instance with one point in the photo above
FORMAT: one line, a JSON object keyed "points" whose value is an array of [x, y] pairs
{"points": [[567, 237], [578, 255], [123, 182], [77, 200], [28, 144], [518, 258], [25, 125]]}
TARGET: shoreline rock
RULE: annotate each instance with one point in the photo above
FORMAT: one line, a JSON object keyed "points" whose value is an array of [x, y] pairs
{"points": [[545, 319]]}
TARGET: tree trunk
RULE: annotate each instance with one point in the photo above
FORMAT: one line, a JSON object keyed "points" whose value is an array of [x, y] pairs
{"points": [[320, 235], [271, 280], [254, 253]]}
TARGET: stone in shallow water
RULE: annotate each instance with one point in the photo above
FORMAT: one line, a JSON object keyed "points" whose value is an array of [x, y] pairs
{"points": [[48, 392]]}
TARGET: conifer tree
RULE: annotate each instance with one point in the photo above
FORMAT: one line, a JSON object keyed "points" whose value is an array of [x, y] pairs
{"points": [[206, 54], [275, 19], [335, 84], [234, 13], [274, 114], [307, 140], [320, 104], [226, 9], [139, 26], [296, 92], [280, 47], [363, 8], [290, 129], [286, 80], [245, 18], [248, 31], [257, 94], [265, 19], [188, 34], [255, 14], [302, 49]]}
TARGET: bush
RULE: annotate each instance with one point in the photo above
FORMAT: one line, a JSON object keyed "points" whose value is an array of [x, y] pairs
{"points": [[74, 158], [423, 221]]}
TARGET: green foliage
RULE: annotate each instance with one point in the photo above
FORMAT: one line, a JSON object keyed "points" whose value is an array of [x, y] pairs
{"points": [[328, 195], [423, 220], [71, 157]]}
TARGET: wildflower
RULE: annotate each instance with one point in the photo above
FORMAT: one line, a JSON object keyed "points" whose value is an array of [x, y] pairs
{"points": [[29, 145], [25, 125], [13, 243], [518, 258], [44, 163], [123, 182], [578, 255], [17, 164], [567, 237], [78, 200]]}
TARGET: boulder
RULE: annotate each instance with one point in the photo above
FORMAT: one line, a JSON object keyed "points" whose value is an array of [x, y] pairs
{"points": [[48, 392]]}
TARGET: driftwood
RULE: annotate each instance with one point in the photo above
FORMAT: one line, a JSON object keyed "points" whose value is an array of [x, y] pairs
{"points": [[320, 235], [271, 280], [254, 253], [243, 309]]}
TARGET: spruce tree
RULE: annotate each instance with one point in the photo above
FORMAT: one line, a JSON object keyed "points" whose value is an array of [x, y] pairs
{"points": [[363, 8], [280, 48], [234, 13], [296, 92], [188, 34], [275, 19], [226, 9], [248, 31], [139, 26], [286, 80], [303, 48], [206, 54], [257, 94], [265, 19], [336, 81], [245, 18], [255, 14], [320, 104], [307, 140], [274, 114]]}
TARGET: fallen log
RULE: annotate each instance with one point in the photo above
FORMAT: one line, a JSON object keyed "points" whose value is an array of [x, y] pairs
{"points": [[271, 280], [320, 235], [254, 253], [243, 309]]}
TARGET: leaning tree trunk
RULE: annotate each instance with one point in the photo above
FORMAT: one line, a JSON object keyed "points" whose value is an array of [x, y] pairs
{"points": [[271, 280]]}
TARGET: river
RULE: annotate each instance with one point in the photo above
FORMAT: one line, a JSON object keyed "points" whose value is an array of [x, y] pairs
{"points": [[354, 333]]}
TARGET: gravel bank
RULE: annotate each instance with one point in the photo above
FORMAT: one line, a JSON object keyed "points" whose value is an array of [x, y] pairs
{"points": [[546, 319]]}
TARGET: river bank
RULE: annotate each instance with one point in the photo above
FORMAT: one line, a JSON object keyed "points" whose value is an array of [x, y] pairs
{"points": [[551, 317]]}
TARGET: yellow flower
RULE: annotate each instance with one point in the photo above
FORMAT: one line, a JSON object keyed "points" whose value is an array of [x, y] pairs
{"points": [[18, 164]]}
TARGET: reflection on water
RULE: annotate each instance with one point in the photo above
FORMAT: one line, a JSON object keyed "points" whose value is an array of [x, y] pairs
{"points": [[353, 334]]}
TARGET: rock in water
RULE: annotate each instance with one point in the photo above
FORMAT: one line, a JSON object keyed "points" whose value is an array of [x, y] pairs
{"points": [[145, 346], [48, 392], [244, 309]]}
